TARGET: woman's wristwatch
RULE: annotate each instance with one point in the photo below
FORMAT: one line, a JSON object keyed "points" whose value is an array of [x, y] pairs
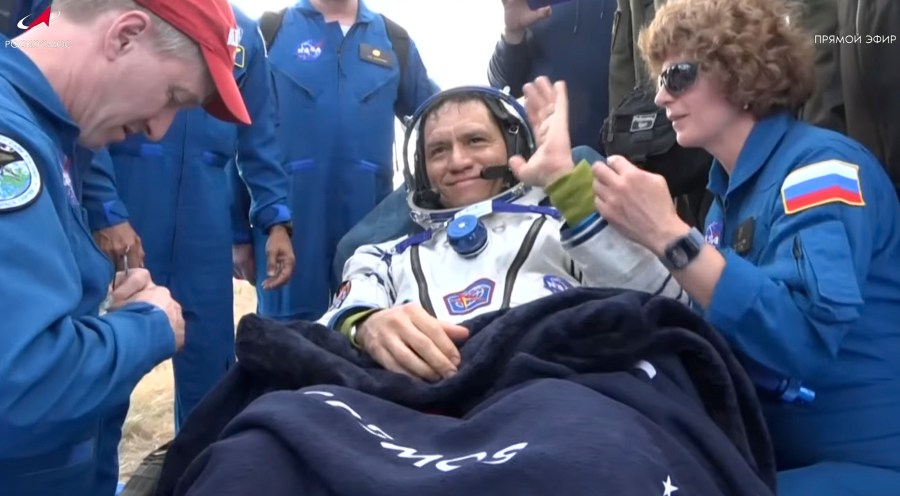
{"points": [[683, 250]]}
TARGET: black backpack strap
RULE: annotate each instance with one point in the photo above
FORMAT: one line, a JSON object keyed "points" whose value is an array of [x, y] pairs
{"points": [[400, 41], [269, 24]]}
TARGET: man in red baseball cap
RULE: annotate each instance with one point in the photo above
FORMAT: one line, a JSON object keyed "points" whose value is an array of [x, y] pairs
{"points": [[211, 25], [95, 72], [137, 62]]}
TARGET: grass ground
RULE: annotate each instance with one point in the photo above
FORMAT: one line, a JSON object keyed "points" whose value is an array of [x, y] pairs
{"points": [[150, 418]]}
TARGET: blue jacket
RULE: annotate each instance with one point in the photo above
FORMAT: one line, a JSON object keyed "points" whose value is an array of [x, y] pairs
{"points": [[174, 191], [66, 372], [811, 288], [542, 404], [337, 99], [176, 195], [573, 45]]}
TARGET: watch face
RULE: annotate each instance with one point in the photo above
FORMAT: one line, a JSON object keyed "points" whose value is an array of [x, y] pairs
{"points": [[679, 258]]}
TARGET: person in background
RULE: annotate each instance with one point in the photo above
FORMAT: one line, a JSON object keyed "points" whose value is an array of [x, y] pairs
{"points": [[75, 340], [687, 171], [797, 267], [176, 194], [568, 41], [870, 76], [340, 82]]}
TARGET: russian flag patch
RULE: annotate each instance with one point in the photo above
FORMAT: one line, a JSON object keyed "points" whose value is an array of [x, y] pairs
{"points": [[821, 183]]}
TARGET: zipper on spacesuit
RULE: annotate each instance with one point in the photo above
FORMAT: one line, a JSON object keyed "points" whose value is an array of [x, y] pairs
{"points": [[517, 263], [420, 280]]}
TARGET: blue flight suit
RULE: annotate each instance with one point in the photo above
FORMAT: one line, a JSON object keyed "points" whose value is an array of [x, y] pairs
{"points": [[66, 372], [811, 290], [337, 98], [174, 193], [97, 183]]}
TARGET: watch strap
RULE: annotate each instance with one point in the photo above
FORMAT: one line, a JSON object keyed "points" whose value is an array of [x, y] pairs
{"points": [[683, 250]]}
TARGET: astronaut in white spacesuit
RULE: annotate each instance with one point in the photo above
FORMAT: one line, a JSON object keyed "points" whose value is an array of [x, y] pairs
{"points": [[499, 231]]}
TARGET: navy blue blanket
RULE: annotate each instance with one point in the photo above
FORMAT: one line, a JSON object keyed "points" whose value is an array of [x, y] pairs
{"points": [[582, 392]]}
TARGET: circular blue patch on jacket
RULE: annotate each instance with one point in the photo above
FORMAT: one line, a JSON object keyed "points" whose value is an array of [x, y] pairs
{"points": [[20, 180]]}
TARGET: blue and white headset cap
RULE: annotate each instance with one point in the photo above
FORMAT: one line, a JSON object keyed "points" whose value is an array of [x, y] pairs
{"points": [[510, 116]]}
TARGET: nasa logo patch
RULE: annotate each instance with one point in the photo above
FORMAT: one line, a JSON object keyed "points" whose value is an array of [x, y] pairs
{"points": [[714, 233], [309, 51], [20, 179], [556, 284], [476, 295]]}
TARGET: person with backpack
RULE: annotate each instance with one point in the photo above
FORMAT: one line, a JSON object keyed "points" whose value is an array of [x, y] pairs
{"points": [[341, 74]]}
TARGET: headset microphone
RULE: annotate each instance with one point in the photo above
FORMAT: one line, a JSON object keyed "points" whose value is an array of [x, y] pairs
{"points": [[492, 172]]}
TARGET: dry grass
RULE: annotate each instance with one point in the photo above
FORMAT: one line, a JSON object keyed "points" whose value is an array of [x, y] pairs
{"points": [[150, 421]]}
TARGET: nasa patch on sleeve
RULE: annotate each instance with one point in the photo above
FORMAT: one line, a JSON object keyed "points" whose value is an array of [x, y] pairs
{"points": [[20, 179]]}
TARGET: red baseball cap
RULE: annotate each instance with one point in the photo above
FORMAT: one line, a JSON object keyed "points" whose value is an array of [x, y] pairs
{"points": [[211, 24]]}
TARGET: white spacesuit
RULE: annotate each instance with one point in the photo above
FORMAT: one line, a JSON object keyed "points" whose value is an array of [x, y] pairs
{"points": [[495, 254]]}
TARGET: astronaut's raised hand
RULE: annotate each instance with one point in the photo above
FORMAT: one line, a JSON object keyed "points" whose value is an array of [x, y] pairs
{"points": [[407, 340], [547, 106]]}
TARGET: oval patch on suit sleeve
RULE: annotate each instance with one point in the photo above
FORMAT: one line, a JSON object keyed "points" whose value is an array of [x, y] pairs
{"points": [[20, 179]]}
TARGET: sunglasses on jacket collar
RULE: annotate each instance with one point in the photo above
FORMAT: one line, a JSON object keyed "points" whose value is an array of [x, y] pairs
{"points": [[678, 78]]}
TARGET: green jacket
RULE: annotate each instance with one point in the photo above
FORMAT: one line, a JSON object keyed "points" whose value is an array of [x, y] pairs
{"points": [[870, 75], [825, 107], [820, 17], [626, 69]]}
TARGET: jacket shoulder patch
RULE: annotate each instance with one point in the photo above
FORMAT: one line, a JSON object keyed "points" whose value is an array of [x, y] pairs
{"points": [[20, 179], [240, 55], [831, 181], [341, 295]]}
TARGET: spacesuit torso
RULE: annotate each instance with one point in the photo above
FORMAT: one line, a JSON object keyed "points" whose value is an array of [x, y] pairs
{"points": [[528, 253]]}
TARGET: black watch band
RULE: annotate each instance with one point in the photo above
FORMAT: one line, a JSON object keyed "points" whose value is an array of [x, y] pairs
{"points": [[683, 251]]}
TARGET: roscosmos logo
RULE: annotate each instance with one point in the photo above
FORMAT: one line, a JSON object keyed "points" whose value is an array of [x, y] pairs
{"points": [[42, 18]]}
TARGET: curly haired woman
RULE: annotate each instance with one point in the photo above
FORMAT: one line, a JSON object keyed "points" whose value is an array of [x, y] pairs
{"points": [[799, 267]]}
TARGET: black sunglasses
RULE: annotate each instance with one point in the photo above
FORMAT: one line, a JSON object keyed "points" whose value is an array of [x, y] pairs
{"points": [[678, 78]]}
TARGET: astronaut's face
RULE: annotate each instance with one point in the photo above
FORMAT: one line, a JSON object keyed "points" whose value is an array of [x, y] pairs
{"points": [[461, 139], [699, 112]]}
